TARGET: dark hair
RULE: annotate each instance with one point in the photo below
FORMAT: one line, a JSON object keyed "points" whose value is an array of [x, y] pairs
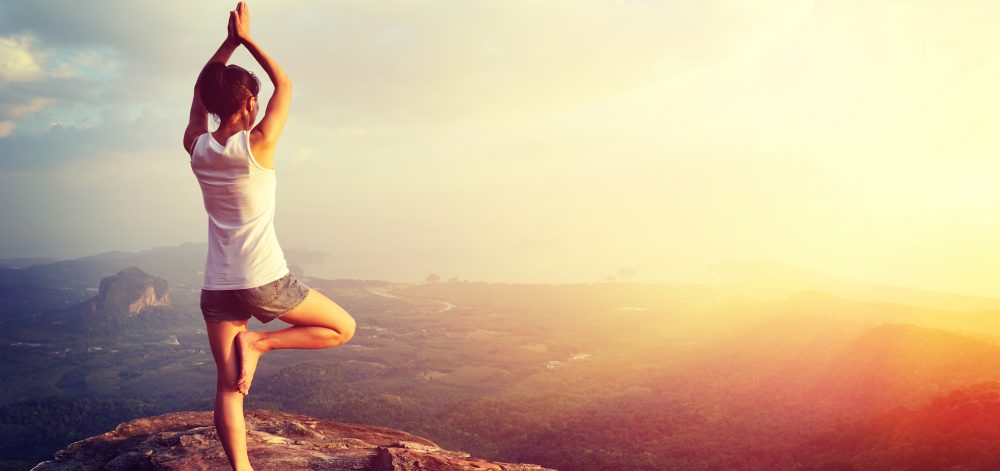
{"points": [[224, 88]]}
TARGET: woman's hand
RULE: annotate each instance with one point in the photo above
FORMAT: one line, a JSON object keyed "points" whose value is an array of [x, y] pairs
{"points": [[231, 37], [239, 23]]}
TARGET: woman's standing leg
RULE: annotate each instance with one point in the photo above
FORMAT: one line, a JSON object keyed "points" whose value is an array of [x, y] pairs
{"points": [[229, 421]]}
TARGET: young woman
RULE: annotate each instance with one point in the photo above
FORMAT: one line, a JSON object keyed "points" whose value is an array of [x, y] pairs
{"points": [[245, 271]]}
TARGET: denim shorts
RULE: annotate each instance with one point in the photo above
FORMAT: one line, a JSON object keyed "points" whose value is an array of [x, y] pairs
{"points": [[266, 302]]}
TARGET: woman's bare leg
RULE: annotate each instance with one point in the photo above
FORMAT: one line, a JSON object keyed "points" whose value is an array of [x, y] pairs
{"points": [[318, 322], [229, 421]]}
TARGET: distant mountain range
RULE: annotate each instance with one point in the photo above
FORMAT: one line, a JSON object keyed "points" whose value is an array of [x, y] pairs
{"points": [[32, 284], [21, 262], [49, 291]]}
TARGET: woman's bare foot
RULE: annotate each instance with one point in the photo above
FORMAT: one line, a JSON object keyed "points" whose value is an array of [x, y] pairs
{"points": [[247, 356]]}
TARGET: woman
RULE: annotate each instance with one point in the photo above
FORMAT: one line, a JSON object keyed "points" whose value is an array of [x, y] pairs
{"points": [[245, 271]]}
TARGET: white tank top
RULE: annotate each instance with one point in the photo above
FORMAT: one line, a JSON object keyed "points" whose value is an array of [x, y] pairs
{"points": [[243, 250]]}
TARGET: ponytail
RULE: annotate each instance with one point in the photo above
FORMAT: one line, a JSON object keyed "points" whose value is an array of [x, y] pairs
{"points": [[225, 88]]}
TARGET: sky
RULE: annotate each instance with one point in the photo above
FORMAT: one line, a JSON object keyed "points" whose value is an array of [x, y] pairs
{"points": [[530, 141]]}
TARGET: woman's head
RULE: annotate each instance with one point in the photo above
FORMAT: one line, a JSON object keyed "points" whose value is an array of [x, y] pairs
{"points": [[230, 93]]}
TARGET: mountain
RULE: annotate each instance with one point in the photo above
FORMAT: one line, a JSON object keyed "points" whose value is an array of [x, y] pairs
{"points": [[130, 301], [127, 294], [21, 262], [275, 440]]}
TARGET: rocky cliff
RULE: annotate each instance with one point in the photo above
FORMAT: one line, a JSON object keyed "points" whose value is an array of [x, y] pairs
{"points": [[275, 440], [131, 290], [130, 302]]}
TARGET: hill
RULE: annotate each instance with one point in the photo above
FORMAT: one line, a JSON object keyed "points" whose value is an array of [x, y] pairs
{"points": [[956, 430]]}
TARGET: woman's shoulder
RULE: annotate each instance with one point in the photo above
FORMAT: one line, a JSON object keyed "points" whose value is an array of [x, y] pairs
{"points": [[261, 152], [194, 143]]}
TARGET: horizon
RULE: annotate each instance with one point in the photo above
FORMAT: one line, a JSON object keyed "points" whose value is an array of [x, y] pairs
{"points": [[758, 284], [650, 141]]}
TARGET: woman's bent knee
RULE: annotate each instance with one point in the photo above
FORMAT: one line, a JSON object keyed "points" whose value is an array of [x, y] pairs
{"points": [[348, 330], [340, 336]]}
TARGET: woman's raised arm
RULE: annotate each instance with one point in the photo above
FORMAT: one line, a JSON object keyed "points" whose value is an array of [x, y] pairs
{"points": [[198, 115], [276, 114]]}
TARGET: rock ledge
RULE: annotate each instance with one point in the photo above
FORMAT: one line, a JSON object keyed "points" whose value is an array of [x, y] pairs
{"points": [[275, 440]]}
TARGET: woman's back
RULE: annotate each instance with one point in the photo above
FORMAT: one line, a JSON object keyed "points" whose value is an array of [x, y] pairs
{"points": [[239, 196]]}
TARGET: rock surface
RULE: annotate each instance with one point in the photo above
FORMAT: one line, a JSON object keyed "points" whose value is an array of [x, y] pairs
{"points": [[275, 441]]}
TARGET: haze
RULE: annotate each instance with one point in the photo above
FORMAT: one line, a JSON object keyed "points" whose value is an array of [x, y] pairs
{"points": [[530, 141]]}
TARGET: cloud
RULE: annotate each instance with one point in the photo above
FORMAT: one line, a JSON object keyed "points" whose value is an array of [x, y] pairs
{"points": [[125, 25], [18, 63], [61, 82], [26, 59], [35, 105], [63, 143], [82, 59], [6, 127], [420, 66]]}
